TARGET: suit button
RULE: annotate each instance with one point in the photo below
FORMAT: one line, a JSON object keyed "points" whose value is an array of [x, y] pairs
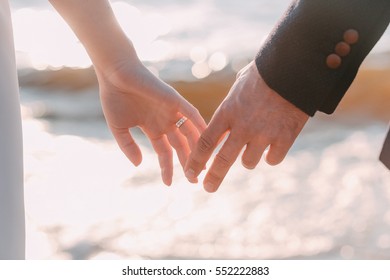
{"points": [[342, 49], [351, 36], [333, 61]]}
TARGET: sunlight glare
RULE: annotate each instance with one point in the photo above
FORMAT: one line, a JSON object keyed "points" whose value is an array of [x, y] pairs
{"points": [[198, 54], [44, 40], [144, 30], [217, 61], [201, 70]]}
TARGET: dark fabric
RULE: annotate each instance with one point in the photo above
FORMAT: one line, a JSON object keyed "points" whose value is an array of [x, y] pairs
{"points": [[292, 61], [385, 154]]}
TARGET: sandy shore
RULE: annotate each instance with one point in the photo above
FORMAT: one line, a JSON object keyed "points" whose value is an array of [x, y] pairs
{"points": [[369, 94]]}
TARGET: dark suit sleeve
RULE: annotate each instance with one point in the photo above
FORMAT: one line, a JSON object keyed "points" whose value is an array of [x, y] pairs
{"points": [[292, 61]]}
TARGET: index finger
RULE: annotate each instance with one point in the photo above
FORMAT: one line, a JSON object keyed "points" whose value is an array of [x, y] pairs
{"points": [[207, 142], [223, 161]]}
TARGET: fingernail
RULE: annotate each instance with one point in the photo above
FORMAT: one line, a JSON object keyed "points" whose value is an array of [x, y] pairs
{"points": [[190, 173], [209, 187], [247, 166], [167, 181], [193, 180]]}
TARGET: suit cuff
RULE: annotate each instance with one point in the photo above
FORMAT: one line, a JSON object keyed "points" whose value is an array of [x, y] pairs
{"points": [[294, 59]]}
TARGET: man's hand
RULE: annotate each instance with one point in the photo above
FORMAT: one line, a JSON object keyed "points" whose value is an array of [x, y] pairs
{"points": [[132, 96], [256, 117]]}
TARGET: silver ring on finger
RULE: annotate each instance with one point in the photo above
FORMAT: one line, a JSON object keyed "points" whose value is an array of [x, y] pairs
{"points": [[181, 121]]}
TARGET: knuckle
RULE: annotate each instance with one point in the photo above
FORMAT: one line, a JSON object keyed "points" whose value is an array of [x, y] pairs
{"points": [[205, 143], [126, 144], [197, 160], [214, 177], [165, 153], [222, 160], [179, 146], [195, 164]]}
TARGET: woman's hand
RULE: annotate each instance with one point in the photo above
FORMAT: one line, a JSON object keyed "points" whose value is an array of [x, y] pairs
{"points": [[132, 96]]}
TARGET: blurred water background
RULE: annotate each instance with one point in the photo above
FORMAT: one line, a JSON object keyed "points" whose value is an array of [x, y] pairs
{"points": [[329, 199]]}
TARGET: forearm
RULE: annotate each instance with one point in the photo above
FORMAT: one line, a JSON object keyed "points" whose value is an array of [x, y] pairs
{"points": [[96, 27]]}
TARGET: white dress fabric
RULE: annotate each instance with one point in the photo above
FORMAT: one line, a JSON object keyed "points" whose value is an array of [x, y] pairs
{"points": [[12, 226]]}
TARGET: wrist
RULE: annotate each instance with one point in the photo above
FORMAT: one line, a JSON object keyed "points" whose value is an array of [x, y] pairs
{"points": [[261, 83], [111, 57]]}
